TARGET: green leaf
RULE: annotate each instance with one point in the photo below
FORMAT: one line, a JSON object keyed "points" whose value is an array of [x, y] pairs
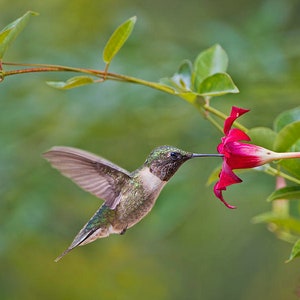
{"points": [[71, 83], [178, 90], [217, 85], [209, 62], [184, 76], [287, 223], [117, 39], [262, 136], [286, 118], [287, 137], [214, 175], [11, 31], [289, 192], [292, 166], [188, 96], [295, 251], [180, 82]]}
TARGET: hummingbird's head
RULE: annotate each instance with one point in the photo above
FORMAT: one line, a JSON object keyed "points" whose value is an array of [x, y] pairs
{"points": [[164, 161]]}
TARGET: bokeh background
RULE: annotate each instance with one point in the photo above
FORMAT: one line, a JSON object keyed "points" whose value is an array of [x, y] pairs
{"points": [[190, 246]]}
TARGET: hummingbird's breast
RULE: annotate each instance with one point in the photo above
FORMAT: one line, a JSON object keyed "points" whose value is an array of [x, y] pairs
{"points": [[138, 198]]}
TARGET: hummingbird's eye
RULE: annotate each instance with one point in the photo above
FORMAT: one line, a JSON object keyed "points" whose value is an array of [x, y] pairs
{"points": [[175, 155]]}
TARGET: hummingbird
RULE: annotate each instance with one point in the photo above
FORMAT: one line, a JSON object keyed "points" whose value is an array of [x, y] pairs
{"points": [[128, 196]]}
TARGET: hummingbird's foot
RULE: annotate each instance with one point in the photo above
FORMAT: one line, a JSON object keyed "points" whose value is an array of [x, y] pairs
{"points": [[123, 231]]}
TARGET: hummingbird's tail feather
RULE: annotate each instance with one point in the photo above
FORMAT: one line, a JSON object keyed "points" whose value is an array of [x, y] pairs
{"points": [[97, 227], [63, 254], [82, 238], [86, 236], [78, 241]]}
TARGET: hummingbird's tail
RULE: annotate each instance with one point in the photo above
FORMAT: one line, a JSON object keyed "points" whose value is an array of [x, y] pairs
{"points": [[85, 237], [97, 227], [63, 254]]}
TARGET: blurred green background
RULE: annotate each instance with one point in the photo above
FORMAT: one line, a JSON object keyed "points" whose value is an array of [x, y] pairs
{"points": [[190, 246]]}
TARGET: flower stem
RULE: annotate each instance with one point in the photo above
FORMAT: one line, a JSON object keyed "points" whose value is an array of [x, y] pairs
{"points": [[33, 68], [274, 172], [102, 74], [285, 155], [201, 108]]}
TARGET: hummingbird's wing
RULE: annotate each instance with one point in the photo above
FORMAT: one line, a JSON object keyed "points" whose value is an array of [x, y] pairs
{"points": [[94, 174]]}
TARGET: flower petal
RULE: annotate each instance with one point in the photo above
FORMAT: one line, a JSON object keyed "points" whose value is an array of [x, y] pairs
{"points": [[236, 112], [235, 135], [227, 177], [243, 156], [219, 195]]}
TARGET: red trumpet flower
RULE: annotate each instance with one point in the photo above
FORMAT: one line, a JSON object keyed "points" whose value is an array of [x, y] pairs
{"points": [[238, 155]]}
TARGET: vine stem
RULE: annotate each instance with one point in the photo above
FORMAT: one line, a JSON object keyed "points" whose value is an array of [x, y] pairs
{"points": [[204, 113], [274, 172], [102, 74]]}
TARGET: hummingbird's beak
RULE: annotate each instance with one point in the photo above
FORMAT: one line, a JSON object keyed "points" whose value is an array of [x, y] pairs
{"points": [[206, 155]]}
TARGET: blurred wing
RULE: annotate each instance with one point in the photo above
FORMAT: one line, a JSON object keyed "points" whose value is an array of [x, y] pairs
{"points": [[94, 174]]}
